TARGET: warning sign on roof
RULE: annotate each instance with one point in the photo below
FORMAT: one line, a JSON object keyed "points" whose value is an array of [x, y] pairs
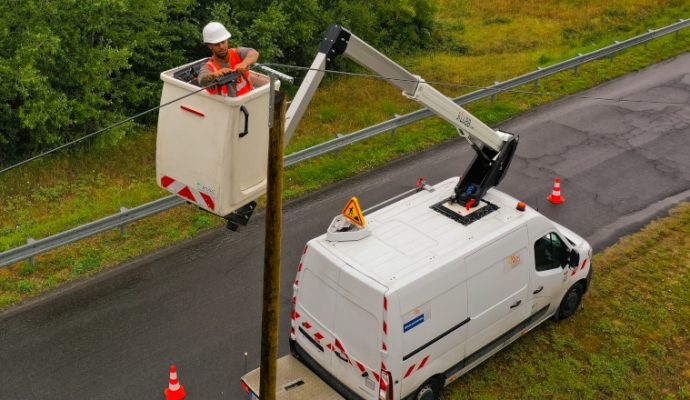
{"points": [[353, 212]]}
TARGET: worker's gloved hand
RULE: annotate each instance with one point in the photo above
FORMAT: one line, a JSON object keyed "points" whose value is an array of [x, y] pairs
{"points": [[241, 68], [232, 77], [225, 71]]}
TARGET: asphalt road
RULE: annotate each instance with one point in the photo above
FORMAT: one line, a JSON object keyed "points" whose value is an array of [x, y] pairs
{"points": [[197, 305]]}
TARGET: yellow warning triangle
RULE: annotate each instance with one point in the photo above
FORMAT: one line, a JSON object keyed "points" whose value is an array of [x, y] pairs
{"points": [[353, 213]]}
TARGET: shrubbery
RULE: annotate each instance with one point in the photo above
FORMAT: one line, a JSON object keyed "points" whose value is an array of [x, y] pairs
{"points": [[69, 67]]}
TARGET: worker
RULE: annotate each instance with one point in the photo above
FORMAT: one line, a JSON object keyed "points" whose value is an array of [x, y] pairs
{"points": [[224, 61]]}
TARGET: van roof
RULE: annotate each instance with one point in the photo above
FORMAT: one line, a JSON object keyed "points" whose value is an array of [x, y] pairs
{"points": [[409, 239]]}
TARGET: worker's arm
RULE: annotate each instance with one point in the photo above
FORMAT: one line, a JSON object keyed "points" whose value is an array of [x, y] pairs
{"points": [[249, 57], [206, 77]]}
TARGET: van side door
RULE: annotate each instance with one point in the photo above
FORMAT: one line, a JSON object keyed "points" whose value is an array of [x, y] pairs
{"points": [[497, 287], [549, 272]]}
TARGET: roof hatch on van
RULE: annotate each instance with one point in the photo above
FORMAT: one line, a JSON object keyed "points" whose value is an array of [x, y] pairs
{"points": [[464, 215]]}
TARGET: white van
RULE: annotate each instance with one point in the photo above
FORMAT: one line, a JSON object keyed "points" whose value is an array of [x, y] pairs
{"points": [[429, 292]]}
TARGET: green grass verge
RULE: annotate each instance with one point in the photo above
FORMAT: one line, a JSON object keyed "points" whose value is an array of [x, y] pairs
{"points": [[484, 44], [631, 340]]}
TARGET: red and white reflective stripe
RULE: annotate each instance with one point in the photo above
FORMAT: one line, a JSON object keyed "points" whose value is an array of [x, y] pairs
{"points": [[193, 111], [423, 363], [342, 350], [384, 355], [384, 347], [411, 369], [360, 366], [188, 193], [295, 292], [338, 346]]}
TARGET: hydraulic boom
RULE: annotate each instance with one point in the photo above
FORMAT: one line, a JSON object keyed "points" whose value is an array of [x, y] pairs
{"points": [[494, 149]]}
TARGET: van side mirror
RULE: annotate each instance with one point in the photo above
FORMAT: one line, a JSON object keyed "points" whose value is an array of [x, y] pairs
{"points": [[574, 259]]}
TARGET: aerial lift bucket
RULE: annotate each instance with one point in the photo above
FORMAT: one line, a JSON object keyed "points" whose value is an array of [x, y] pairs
{"points": [[212, 150]]}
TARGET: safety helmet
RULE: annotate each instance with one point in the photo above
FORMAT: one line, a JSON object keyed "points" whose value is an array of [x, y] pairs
{"points": [[215, 32]]}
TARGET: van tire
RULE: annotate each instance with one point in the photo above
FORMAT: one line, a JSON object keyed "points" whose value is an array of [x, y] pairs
{"points": [[570, 303], [430, 390]]}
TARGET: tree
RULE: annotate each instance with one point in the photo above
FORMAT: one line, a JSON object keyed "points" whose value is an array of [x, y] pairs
{"points": [[70, 67]]}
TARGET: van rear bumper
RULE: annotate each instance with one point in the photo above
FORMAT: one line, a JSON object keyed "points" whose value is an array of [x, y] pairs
{"points": [[293, 381]]}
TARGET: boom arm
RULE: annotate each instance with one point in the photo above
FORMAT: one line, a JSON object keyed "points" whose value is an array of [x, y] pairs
{"points": [[492, 159]]}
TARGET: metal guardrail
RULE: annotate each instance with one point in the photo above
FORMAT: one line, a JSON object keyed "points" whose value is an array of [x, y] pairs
{"points": [[36, 247], [498, 87], [33, 248]]}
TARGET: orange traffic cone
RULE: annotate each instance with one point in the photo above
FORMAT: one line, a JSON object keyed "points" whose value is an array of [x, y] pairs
{"points": [[175, 391], [555, 196]]}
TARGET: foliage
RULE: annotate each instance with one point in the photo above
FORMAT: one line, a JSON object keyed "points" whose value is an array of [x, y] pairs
{"points": [[71, 67], [60, 192]]}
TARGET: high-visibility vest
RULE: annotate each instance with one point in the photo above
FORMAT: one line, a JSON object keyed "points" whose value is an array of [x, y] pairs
{"points": [[242, 86]]}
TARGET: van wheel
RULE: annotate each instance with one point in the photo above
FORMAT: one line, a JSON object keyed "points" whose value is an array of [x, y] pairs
{"points": [[570, 303], [430, 390]]}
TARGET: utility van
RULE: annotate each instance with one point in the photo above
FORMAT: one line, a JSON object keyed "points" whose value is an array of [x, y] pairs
{"points": [[425, 292]]}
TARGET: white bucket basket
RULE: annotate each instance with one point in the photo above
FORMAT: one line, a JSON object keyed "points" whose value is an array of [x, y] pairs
{"points": [[212, 150]]}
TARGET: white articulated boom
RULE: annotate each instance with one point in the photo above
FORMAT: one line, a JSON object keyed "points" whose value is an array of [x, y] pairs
{"points": [[497, 148]]}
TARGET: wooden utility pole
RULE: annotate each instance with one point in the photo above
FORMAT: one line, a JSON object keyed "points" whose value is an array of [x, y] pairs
{"points": [[274, 211]]}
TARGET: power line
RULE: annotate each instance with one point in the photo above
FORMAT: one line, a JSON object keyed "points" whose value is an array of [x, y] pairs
{"points": [[464, 86], [353, 74], [115, 125]]}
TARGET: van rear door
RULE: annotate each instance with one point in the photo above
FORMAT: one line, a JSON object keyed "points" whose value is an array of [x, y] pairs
{"points": [[339, 313], [358, 328], [314, 313]]}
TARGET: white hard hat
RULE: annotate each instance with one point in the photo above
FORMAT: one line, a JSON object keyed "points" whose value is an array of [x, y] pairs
{"points": [[215, 32]]}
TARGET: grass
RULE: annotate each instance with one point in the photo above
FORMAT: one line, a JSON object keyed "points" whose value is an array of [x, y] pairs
{"points": [[479, 43], [631, 340]]}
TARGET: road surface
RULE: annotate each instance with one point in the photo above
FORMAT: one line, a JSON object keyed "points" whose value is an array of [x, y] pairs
{"points": [[197, 305]]}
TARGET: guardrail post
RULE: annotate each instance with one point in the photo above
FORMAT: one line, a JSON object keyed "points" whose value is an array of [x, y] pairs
{"points": [[493, 96], [32, 260], [646, 42], [337, 151], [536, 81], [576, 69], [123, 230], [393, 130]]}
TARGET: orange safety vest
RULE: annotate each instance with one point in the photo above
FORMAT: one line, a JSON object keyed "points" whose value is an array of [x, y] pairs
{"points": [[242, 86]]}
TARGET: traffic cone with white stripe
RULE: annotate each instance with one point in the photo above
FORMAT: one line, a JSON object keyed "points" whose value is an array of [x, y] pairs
{"points": [[555, 196], [175, 391]]}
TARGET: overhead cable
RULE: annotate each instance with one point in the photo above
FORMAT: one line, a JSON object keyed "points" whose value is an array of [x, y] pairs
{"points": [[464, 86]]}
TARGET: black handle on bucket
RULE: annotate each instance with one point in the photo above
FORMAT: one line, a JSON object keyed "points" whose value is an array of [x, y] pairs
{"points": [[246, 122]]}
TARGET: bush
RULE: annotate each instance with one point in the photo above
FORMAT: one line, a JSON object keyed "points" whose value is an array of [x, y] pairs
{"points": [[71, 67]]}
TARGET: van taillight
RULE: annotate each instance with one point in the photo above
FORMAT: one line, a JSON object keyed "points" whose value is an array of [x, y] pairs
{"points": [[386, 385], [245, 387]]}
